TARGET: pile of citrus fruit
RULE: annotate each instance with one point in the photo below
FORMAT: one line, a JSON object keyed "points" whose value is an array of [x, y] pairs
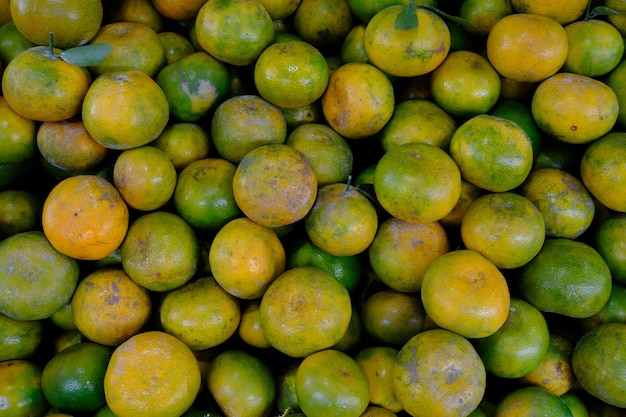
{"points": [[346, 208]]}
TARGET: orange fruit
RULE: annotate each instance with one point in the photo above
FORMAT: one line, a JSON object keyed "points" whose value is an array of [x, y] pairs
{"points": [[527, 47], [280, 9], [204, 194], [342, 222], [184, 143], [616, 79], [562, 11], [250, 329], [373, 411], [598, 363], [465, 84], [519, 345], [519, 112], [576, 404], [560, 155], [366, 9], [160, 251], [608, 240], [85, 217], [108, 307], [493, 153], [245, 258], [484, 14], [20, 388], [178, 10], [438, 372], [140, 11], [235, 32], [175, 46], [328, 152], [311, 113], [505, 228], [135, 46], [613, 311], [51, 282], [5, 11], [237, 374], [469, 193], [20, 211], [406, 52], [418, 120], [19, 338], [392, 317], [555, 372], [402, 251], [331, 377], [417, 182], [304, 310], [12, 41], [270, 178], [377, 363], [73, 379], [200, 313], [563, 201], [353, 46], [286, 399], [67, 145], [125, 109], [567, 277], [346, 269], [359, 100], [145, 177], [194, 85], [291, 74], [603, 171], [230, 126], [354, 334], [595, 47], [151, 374], [63, 317], [617, 20], [323, 23], [531, 401], [17, 135], [72, 25], [445, 288], [574, 108], [41, 86]]}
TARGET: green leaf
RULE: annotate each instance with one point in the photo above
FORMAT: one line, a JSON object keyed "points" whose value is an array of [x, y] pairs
{"points": [[601, 11], [86, 55], [455, 19], [407, 18]]}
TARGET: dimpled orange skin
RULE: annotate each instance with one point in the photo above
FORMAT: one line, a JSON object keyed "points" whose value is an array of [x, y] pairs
{"points": [[275, 185], [85, 217], [358, 101]]}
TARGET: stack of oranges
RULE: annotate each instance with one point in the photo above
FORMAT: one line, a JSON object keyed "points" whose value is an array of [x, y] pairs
{"points": [[351, 208]]}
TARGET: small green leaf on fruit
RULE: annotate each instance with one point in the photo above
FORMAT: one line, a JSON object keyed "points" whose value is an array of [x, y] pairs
{"points": [[451, 18], [407, 18], [601, 11], [86, 55]]}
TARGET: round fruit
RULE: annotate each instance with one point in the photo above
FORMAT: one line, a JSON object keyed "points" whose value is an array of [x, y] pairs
{"points": [[20, 389]]}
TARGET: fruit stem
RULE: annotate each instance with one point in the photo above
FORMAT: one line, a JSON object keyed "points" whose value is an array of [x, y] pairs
{"points": [[51, 44], [348, 183]]}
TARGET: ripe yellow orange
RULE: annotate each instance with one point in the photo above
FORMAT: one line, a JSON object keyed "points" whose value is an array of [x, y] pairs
{"points": [[280, 9], [108, 307], [73, 24], [305, 310], [402, 251], [603, 170], [250, 330], [20, 384], [562, 11], [67, 145], [574, 108], [417, 182], [359, 100], [245, 258], [406, 52], [527, 47], [469, 193], [140, 11], [528, 401], [175, 46], [465, 84], [134, 46], [235, 32], [377, 363], [125, 109], [505, 228], [200, 313], [270, 178], [446, 288], [178, 10], [151, 374], [484, 14], [17, 135], [41, 86], [438, 372], [323, 23], [291, 74], [555, 372], [184, 143], [493, 153], [85, 217]]}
